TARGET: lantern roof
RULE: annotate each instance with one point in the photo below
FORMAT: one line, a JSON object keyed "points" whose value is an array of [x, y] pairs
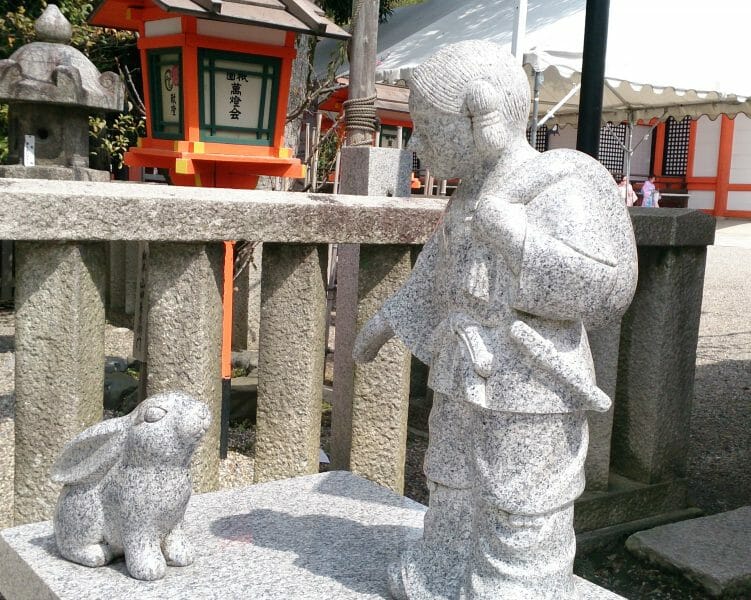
{"points": [[301, 16]]}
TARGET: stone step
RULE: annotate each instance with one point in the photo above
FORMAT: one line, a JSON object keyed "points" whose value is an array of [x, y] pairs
{"points": [[310, 538], [713, 551]]}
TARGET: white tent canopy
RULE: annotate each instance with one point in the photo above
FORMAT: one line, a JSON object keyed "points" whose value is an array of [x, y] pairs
{"points": [[664, 57]]}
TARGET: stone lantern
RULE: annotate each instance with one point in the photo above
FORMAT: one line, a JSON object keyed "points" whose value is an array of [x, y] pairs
{"points": [[51, 89]]}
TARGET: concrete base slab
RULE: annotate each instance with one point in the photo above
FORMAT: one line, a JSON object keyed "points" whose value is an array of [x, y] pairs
{"points": [[314, 537], [713, 551], [626, 500]]}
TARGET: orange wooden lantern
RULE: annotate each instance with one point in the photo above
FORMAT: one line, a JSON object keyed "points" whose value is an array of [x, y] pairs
{"points": [[216, 78]]}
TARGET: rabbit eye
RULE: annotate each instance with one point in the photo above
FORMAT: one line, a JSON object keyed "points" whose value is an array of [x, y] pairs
{"points": [[153, 414]]}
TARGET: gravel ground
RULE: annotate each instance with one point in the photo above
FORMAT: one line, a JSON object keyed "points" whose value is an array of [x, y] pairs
{"points": [[720, 440]]}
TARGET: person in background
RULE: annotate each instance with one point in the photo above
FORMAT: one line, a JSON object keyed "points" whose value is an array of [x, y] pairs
{"points": [[650, 195], [628, 195]]}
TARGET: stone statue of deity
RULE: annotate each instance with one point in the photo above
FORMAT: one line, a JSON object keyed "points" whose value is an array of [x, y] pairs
{"points": [[531, 251]]}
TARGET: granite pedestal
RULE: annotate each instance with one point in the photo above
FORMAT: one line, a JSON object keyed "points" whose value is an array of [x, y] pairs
{"points": [[314, 537]]}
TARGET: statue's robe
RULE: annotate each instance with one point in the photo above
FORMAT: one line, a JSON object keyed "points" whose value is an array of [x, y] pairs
{"points": [[465, 299]]}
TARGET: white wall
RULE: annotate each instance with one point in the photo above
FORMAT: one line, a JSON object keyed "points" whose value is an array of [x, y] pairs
{"points": [[739, 200], [701, 199], [740, 165], [706, 148], [566, 138]]}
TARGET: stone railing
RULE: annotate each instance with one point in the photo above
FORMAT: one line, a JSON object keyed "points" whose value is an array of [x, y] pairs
{"points": [[60, 230]]}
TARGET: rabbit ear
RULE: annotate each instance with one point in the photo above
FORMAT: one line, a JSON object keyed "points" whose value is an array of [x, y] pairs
{"points": [[89, 455]]}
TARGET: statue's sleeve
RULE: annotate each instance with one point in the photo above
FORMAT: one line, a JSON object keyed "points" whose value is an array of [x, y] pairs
{"points": [[560, 281], [416, 308], [576, 255]]}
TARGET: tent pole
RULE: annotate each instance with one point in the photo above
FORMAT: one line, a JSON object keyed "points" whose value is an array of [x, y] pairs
{"points": [[551, 113], [535, 109], [629, 147], [520, 30]]}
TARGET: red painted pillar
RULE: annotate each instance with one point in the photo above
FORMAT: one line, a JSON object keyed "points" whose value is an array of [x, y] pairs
{"points": [[724, 157]]}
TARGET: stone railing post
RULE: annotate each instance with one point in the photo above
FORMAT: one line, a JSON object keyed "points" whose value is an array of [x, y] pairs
{"points": [[658, 345], [59, 361], [290, 361], [372, 428], [604, 343], [184, 337], [369, 413]]}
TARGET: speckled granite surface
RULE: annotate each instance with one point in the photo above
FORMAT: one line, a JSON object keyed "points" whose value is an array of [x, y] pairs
{"points": [[316, 537]]}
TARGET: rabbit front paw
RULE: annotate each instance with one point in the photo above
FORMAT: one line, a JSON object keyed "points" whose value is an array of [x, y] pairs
{"points": [[177, 549], [146, 561], [93, 555]]}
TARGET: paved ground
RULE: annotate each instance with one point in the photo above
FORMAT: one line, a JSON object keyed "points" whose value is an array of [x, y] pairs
{"points": [[720, 451]]}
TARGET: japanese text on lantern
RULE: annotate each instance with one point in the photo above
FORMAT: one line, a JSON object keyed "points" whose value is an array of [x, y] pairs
{"points": [[235, 96], [171, 81]]}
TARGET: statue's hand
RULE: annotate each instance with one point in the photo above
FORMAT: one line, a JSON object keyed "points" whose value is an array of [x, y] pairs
{"points": [[503, 224], [372, 336]]}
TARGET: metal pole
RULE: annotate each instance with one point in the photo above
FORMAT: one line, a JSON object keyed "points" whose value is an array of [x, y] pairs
{"points": [[535, 109], [593, 76], [629, 148]]}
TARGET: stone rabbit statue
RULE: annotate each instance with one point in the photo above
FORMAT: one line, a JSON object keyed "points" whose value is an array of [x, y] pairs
{"points": [[127, 484]]}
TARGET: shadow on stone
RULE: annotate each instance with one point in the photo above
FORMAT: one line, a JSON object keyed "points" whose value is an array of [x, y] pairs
{"points": [[333, 487], [7, 343], [340, 549], [719, 477]]}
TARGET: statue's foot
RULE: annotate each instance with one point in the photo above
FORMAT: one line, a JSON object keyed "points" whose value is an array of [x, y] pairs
{"points": [[421, 574], [396, 583]]}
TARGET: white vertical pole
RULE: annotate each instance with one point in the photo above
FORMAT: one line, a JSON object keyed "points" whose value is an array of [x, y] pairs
{"points": [[316, 149], [520, 29], [336, 171], [399, 133], [309, 172]]}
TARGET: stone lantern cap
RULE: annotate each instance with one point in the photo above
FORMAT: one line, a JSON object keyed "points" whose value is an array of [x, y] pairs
{"points": [[49, 71]]}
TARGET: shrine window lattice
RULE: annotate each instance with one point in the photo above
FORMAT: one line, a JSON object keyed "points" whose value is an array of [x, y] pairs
{"points": [[541, 143], [675, 154], [611, 152]]}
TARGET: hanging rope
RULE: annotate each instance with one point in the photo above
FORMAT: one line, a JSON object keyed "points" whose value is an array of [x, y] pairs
{"points": [[360, 115]]}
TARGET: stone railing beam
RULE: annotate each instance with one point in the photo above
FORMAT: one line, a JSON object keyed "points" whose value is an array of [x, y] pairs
{"points": [[124, 211]]}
